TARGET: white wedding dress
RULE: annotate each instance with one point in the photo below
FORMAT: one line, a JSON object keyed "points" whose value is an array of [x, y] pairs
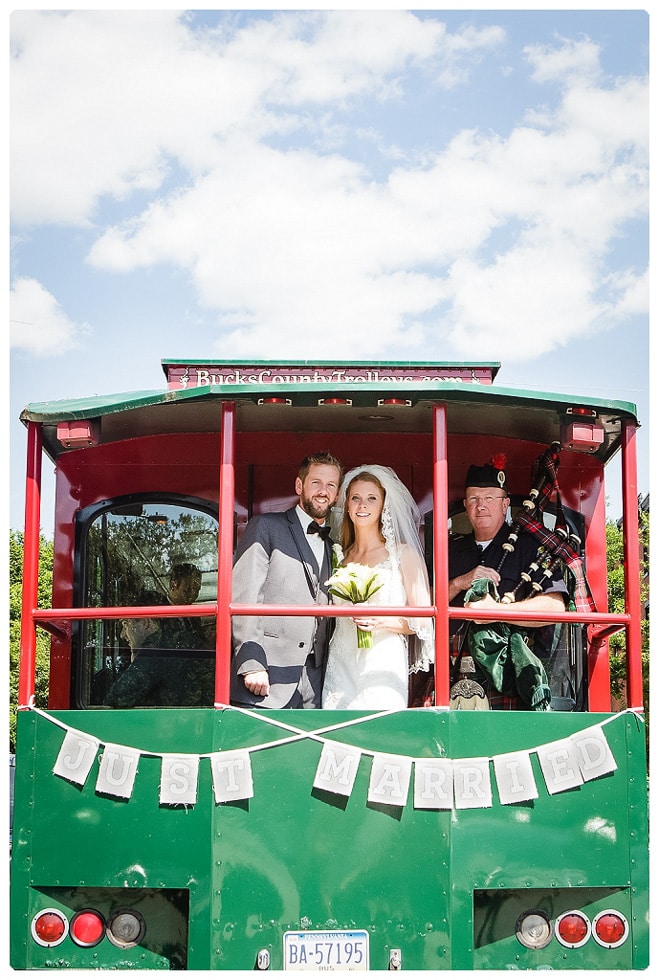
{"points": [[375, 677]]}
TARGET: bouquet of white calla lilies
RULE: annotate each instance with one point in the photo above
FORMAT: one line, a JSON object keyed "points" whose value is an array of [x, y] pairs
{"points": [[355, 583]]}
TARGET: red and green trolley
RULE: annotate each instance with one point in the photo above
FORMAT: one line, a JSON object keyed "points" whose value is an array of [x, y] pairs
{"points": [[202, 836]]}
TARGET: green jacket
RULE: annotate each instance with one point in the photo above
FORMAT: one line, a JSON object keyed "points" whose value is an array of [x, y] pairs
{"points": [[503, 654]]}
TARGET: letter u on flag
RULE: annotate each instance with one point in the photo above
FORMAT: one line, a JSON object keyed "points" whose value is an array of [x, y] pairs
{"points": [[116, 774]]}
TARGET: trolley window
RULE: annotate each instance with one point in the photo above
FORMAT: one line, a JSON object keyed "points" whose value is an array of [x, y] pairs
{"points": [[146, 552]]}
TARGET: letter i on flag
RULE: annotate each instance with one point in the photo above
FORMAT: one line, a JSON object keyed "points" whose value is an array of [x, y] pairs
{"points": [[514, 775]]}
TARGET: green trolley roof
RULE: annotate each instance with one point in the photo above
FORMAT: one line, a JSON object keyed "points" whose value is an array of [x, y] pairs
{"points": [[368, 397]]}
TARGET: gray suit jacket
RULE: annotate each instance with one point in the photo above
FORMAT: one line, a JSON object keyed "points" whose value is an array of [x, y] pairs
{"points": [[269, 568]]}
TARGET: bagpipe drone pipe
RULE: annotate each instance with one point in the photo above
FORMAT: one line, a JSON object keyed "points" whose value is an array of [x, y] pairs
{"points": [[558, 548]]}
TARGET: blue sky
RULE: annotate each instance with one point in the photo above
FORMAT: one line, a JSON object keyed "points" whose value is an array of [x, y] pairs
{"points": [[388, 184]]}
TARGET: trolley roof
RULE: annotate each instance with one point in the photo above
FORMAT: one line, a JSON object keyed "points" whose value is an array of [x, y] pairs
{"points": [[341, 396]]}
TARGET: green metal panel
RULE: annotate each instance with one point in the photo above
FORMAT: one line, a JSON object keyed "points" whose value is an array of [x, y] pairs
{"points": [[219, 883]]}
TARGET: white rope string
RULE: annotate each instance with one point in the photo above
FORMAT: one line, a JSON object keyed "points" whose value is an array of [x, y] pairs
{"points": [[317, 735]]}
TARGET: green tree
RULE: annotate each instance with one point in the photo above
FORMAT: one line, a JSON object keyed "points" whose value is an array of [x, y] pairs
{"points": [[616, 591], [45, 591]]}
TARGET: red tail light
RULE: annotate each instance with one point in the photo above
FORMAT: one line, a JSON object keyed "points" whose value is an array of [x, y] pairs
{"points": [[49, 927], [572, 929], [87, 927], [610, 928]]}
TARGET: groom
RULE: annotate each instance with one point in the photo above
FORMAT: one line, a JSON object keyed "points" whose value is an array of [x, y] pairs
{"points": [[285, 559]]}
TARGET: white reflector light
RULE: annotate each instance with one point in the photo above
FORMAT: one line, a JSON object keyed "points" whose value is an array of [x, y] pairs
{"points": [[533, 929]]}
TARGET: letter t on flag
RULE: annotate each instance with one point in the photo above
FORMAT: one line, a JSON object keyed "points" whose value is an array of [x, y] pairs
{"points": [[232, 776]]}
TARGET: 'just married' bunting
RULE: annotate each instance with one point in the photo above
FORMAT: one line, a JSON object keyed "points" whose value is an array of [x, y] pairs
{"points": [[437, 783]]}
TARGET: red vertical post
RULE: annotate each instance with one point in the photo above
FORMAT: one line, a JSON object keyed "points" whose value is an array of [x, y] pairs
{"points": [[631, 549], [225, 554], [599, 674], [30, 593], [440, 555]]}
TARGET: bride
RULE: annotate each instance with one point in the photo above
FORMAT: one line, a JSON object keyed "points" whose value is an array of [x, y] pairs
{"points": [[379, 524]]}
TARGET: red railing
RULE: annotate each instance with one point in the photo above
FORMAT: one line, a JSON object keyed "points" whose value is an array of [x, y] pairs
{"points": [[224, 609]]}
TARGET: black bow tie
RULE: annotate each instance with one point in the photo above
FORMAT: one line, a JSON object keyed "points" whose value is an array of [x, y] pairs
{"points": [[321, 529]]}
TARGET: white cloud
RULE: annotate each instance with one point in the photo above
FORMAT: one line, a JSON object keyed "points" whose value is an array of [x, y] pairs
{"points": [[527, 303], [104, 102], [38, 325], [499, 245], [565, 61], [494, 244]]}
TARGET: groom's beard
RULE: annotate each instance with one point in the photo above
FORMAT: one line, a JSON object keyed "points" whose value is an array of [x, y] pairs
{"points": [[315, 507]]}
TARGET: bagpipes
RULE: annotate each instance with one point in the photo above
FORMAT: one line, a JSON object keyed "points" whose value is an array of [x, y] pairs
{"points": [[501, 651], [558, 548]]}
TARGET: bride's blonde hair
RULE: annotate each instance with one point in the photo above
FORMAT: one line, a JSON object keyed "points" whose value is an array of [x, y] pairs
{"points": [[347, 527]]}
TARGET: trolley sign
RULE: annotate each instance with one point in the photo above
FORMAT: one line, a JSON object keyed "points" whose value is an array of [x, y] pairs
{"points": [[337, 950]]}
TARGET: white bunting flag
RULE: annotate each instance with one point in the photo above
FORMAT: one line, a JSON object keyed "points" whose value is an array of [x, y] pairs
{"points": [[337, 768], [514, 776], [433, 784], [594, 756], [76, 757], [116, 774], [439, 783], [471, 784], [178, 779], [560, 766], [232, 776], [390, 779]]}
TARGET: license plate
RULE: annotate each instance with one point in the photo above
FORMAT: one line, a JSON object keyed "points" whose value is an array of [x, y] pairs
{"points": [[340, 950]]}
